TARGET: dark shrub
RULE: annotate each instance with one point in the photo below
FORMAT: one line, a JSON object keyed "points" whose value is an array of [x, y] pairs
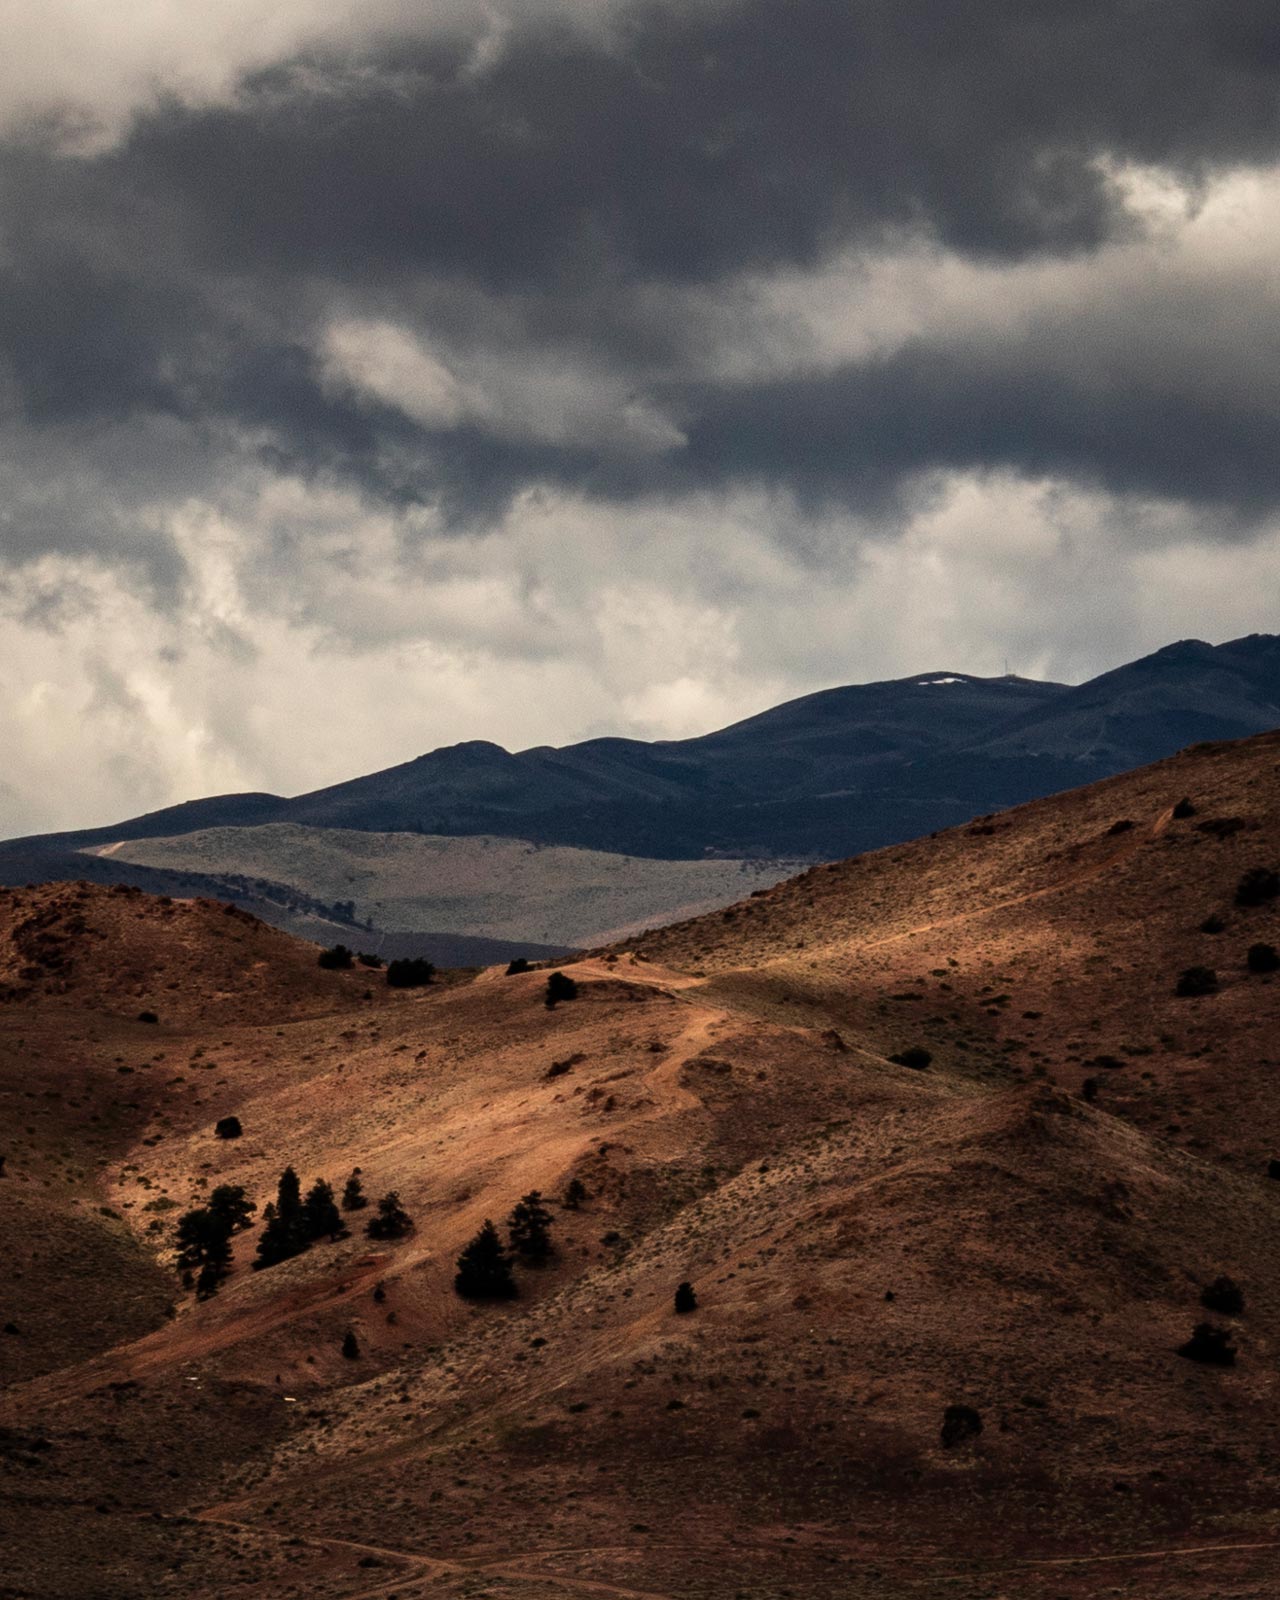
{"points": [[1225, 1296], [350, 1346], [686, 1299], [1197, 981], [529, 1230], [392, 1220], [958, 1424], [1273, 1168], [339, 959], [559, 987], [1263, 958], [147, 1016], [353, 1195], [367, 959], [1123, 826], [915, 1056], [519, 965], [1183, 810], [1209, 1345], [1258, 885], [1213, 924], [228, 1128], [410, 972], [1220, 827], [484, 1268], [575, 1194], [1089, 1089]]}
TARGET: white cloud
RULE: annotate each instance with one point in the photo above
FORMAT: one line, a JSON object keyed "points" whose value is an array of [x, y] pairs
{"points": [[520, 395], [568, 620]]}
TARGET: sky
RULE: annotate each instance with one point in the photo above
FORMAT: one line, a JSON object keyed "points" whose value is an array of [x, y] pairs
{"points": [[376, 376]]}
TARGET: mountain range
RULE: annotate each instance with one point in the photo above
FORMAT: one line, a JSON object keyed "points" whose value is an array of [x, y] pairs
{"points": [[610, 830]]}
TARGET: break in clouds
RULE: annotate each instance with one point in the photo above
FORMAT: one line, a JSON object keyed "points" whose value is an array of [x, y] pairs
{"points": [[531, 371]]}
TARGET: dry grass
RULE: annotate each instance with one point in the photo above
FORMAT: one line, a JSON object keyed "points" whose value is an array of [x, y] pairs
{"points": [[485, 887], [870, 1243]]}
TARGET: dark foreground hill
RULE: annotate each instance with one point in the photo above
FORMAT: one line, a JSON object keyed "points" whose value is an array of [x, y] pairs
{"points": [[950, 1162]]}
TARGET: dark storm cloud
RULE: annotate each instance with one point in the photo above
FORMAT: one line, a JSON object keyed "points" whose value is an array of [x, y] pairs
{"points": [[698, 142], [185, 273], [853, 435]]}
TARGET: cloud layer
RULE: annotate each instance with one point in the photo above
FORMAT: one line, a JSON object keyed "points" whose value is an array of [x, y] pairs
{"points": [[368, 382]]}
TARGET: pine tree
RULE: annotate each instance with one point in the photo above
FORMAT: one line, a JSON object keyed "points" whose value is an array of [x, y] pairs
{"points": [[284, 1231], [392, 1220], [230, 1202], [204, 1246], [211, 1275], [353, 1195], [320, 1215], [529, 1230], [484, 1268], [575, 1194], [686, 1299], [350, 1346]]}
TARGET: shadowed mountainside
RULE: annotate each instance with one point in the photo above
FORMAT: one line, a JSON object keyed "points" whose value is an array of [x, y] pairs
{"points": [[843, 770], [1023, 1225]]}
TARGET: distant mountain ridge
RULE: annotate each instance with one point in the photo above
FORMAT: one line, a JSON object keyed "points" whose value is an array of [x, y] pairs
{"points": [[825, 776]]}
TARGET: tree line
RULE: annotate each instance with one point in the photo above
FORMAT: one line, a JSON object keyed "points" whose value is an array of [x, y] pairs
{"points": [[292, 1223]]}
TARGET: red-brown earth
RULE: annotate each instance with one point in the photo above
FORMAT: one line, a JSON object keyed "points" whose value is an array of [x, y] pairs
{"points": [[1024, 1227]]}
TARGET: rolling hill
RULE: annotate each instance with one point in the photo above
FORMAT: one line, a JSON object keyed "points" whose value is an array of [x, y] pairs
{"points": [[1019, 1217], [635, 834]]}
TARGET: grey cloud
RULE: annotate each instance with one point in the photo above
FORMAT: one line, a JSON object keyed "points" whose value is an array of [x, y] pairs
{"points": [[854, 435], [579, 180], [698, 142]]}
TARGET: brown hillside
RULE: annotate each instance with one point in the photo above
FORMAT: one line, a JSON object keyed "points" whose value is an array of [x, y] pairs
{"points": [[1046, 944], [870, 1243], [119, 952]]}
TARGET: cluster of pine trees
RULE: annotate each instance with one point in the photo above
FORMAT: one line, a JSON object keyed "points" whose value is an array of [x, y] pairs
{"points": [[485, 1266], [291, 1224]]}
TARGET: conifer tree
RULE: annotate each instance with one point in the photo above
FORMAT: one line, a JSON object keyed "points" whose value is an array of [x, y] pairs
{"points": [[204, 1246], [529, 1229], [392, 1220], [230, 1202], [353, 1195], [350, 1346], [320, 1215], [211, 1275], [484, 1268], [284, 1230]]}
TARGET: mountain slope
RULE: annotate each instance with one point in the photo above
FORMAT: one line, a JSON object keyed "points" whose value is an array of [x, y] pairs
{"points": [[871, 1242], [497, 889], [846, 768]]}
